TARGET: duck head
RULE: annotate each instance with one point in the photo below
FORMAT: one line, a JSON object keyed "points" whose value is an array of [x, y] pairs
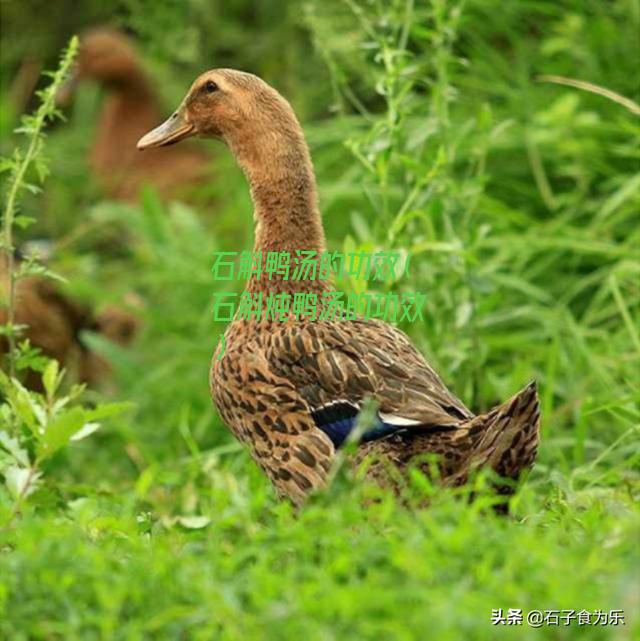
{"points": [[107, 57], [263, 133], [236, 107]]}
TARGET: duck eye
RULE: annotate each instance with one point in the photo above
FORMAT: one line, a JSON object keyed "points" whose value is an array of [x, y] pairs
{"points": [[210, 86]]}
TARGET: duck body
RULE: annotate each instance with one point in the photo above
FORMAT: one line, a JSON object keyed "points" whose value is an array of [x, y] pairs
{"points": [[53, 322], [291, 389]]}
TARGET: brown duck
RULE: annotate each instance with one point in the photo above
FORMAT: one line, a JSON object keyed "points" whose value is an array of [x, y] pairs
{"points": [[53, 322], [292, 391], [131, 107]]}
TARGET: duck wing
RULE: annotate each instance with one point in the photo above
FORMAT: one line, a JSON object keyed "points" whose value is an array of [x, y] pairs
{"points": [[335, 366]]}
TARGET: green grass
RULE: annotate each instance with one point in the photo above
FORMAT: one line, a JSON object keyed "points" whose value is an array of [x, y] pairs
{"points": [[519, 202], [336, 571]]}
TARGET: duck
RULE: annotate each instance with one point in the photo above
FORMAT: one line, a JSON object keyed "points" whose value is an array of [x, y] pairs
{"points": [[293, 389], [53, 323], [108, 57]]}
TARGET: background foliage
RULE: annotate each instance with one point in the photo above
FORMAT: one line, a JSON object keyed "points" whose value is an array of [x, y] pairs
{"points": [[519, 201]]}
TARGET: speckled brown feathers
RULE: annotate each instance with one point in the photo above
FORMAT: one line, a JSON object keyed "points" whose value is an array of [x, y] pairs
{"points": [[505, 439], [290, 390]]}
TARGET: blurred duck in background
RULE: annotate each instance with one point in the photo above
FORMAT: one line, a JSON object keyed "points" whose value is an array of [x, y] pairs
{"points": [[131, 108], [54, 324]]}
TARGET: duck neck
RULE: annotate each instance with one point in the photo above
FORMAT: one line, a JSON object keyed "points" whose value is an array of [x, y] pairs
{"points": [[130, 108], [283, 189]]}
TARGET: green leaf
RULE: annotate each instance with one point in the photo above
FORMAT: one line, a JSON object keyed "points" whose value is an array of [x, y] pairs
{"points": [[59, 432], [86, 430], [28, 357], [21, 481], [32, 189], [8, 329], [12, 445], [23, 221], [40, 165], [194, 522], [51, 378], [106, 410], [24, 404]]}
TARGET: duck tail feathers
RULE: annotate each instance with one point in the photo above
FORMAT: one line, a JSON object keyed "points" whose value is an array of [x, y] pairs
{"points": [[508, 435]]}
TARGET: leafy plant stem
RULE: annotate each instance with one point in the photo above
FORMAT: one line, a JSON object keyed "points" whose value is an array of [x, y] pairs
{"points": [[33, 127]]}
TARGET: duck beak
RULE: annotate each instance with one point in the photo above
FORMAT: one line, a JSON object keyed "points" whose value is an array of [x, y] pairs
{"points": [[176, 128]]}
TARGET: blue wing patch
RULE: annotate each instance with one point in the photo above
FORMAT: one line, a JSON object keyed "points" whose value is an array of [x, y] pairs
{"points": [[337, 420]]}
